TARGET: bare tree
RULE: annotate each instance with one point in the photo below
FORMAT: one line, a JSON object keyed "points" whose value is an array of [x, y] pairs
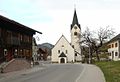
{"points": [[87, 39], [94, 43], [103, 35]]}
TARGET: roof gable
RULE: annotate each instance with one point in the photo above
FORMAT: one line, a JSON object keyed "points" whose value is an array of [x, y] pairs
{"points": [[62, 55], [12, 25], [115, 38], [62, 38]]}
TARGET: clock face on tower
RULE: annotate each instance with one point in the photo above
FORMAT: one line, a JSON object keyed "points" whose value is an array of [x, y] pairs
{"points": [[75, 27]]}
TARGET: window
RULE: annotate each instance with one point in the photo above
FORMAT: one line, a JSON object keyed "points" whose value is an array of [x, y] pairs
{"points": [[116, 53], [73, 46], [75, 54], [75, 27], [112, 45], [58, 51], [115, 44], [15, 52], [109, 54], [5, 52], [21, 52], [109, 46], [75, 33], [112, 52], [66, 51]]}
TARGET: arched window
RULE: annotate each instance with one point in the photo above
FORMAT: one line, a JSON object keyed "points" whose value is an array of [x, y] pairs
{"points": [[75, 33], [115, 44], [58, 51], [116, 53]]}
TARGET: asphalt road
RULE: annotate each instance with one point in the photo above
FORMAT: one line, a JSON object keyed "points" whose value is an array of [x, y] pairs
{"points": [[52, 73], [57, 73]]}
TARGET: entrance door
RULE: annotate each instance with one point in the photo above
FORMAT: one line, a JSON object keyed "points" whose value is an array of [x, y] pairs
{"points": [[62, 60]]}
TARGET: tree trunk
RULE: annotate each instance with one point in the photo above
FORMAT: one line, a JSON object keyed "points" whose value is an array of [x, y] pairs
{"points": [[90, 55], [97, 55]]}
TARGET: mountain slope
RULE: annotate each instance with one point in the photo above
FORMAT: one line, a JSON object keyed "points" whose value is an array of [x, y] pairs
{"points": [[46, 46]]}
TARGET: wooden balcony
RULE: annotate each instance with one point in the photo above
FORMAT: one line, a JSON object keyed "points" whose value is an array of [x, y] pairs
{"points": [[13, 41]]}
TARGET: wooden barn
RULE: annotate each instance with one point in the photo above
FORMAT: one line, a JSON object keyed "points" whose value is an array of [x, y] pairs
{"points": [[15, 40]]}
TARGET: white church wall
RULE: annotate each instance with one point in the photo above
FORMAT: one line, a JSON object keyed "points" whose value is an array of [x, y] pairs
{"points": [[75, 40], [78, 57], [63, 46]]}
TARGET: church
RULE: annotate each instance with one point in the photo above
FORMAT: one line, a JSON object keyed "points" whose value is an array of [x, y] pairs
{"points": [[65, 52]]}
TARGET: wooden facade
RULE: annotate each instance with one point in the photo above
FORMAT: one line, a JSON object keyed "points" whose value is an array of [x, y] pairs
{"points": [[15, 40], [42, 54]]}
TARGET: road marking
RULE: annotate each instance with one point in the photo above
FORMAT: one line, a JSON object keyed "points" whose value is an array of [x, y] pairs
{"points": [[81, 74]]}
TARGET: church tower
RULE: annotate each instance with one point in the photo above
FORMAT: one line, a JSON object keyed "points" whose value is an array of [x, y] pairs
{"points": [[75, 37]]}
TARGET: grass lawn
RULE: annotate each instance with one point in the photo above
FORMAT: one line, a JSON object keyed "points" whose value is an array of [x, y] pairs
{"points": [[111, 70]]}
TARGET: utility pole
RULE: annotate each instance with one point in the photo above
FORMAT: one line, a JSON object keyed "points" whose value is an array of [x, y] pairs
{"points": [[89, 55]]}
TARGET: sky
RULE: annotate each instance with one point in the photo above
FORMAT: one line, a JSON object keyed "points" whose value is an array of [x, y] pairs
{"points": [[54, 17]]}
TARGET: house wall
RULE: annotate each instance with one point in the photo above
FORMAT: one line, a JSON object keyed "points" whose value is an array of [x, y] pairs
{"points": [[34, 51], [14, 44], [62, 45], [112, 50]]}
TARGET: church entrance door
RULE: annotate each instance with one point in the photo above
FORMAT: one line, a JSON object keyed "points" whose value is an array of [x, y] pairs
{"points": [[62, 60]]}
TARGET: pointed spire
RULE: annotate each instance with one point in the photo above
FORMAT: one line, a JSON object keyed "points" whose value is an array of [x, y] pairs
{"points": [[75, 20]]}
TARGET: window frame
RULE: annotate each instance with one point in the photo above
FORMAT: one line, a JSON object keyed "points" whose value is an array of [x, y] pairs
{"points": [[109, 46], [75, 33], [58, 51], [112, 45], [116, 53], [116, 44], [66, 51]]}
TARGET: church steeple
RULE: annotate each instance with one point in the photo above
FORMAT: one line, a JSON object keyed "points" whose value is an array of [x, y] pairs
{"points": [[75, 20]]}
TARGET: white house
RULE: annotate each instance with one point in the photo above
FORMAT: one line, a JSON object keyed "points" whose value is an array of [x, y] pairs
{"points": [[34, 50], [114, 48], [65, 52]]}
